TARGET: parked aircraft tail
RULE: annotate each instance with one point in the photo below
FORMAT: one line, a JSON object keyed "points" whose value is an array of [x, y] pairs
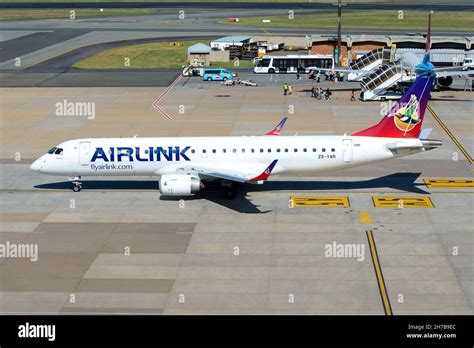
{"points": [[406, 117]]}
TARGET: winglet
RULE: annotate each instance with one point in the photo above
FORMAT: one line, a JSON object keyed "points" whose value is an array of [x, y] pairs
{"points": [[266, 173], [277, 129]]}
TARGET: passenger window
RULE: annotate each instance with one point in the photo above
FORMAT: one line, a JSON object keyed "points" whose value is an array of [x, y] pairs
{"points": [[324, 150], [253, 150], [193, 151], [234, 150], [286, 150], [269, 150], [243, 150], [261, 150], [203, 150], [333, 149], [278, 150], [296, 150], [304, 150], [314, 150], [224, 150], [213, 150]]}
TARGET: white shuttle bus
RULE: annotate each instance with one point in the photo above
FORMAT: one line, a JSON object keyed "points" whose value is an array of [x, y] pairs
{"points": [[292, 64]]}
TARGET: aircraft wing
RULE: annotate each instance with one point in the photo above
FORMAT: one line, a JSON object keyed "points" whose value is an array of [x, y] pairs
{"points": [[453, 73], [253, 174]]}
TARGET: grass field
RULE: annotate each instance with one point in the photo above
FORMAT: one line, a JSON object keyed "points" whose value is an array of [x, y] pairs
{"points": [[150, 55], [367, 20], [8, 14]]}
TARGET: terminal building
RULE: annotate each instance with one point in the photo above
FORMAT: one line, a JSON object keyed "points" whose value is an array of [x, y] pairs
{"points": [[444, 50]]}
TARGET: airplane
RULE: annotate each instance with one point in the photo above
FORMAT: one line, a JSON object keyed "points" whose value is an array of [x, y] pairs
{"points": [[185, 164]]}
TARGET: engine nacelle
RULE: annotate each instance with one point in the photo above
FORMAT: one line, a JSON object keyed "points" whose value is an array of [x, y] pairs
{"points": [[179, 184]]}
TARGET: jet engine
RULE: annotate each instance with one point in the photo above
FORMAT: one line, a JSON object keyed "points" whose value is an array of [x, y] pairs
{"points": [[179, 184], [445, 81]]}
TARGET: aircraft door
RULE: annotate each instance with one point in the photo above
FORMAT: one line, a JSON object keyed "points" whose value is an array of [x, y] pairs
{"points": [[347, 150], [84, 153]]}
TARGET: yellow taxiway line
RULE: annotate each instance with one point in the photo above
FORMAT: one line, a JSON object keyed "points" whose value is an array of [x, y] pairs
{"points": [[448, 132], [378, 273]]}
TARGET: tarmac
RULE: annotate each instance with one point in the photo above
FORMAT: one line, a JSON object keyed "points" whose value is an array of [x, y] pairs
{"points": [[119, 247]]}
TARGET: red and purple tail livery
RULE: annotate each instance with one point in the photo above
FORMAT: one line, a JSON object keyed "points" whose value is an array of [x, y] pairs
{"points": [[277, 129], [405, 118], [266, 173]]}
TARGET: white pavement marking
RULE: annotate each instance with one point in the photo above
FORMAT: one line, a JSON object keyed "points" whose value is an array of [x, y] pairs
{"points": [[163, 95]]}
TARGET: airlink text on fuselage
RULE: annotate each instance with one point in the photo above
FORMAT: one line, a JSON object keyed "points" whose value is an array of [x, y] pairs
{"points": [[130, 154]]}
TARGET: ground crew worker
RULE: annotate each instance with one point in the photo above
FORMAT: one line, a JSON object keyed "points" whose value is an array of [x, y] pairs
{"points": [[285, 88], [353, 95], [328, 94]]}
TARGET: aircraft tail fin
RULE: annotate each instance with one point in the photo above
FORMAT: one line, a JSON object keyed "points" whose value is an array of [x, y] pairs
{"points": [[406, 117]]}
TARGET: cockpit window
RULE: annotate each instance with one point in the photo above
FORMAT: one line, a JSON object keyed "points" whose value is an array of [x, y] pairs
{"points": [[51, 151], [58, 151]]}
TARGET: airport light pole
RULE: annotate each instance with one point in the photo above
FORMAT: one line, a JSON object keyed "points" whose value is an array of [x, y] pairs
{"points": [[339, 39]]}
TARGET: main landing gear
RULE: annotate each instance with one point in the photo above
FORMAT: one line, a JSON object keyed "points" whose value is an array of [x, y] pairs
{"points": [[230, 189], [76, 183]]}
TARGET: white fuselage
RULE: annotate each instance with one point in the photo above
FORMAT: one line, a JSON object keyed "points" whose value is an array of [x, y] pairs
{"points": [[252, 154]]}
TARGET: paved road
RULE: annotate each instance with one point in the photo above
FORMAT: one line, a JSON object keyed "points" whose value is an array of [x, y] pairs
{"points": [[440, 5], [20, 46]]}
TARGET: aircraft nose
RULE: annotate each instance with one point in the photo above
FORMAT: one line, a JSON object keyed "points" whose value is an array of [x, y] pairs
{"points": [[36, 166]]}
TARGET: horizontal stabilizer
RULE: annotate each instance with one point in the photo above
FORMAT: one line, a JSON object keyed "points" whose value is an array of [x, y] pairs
{"points": [[425, 133]]}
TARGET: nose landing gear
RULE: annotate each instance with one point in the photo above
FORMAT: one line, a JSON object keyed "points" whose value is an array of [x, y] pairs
{"points": [[77, 184]]}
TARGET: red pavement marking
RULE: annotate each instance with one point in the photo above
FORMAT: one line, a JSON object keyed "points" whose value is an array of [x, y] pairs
{"points": [[162, 96]]}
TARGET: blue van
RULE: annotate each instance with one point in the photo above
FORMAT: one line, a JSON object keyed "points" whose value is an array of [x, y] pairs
{"points": [[216, 74]]}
